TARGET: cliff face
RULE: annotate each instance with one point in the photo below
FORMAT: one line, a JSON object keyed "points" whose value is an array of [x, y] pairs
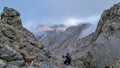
{"points": [[106, 39], [17, 45], [103, 48]]}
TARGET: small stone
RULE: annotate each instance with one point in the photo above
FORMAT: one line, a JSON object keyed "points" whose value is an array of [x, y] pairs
{"points": [[2, 63]]}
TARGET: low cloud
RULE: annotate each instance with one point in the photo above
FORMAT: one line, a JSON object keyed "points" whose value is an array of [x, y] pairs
{"points": [[31, 25], [93, 20], [76, 21], [71, 22]]}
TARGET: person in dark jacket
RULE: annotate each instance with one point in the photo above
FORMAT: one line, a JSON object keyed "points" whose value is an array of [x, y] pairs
{"points": [[68, 59]]}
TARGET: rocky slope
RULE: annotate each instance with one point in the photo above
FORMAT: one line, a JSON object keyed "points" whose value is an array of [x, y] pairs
{"points": [[18, 46]]}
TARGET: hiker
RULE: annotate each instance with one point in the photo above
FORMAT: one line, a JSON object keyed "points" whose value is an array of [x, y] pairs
{"points": [[68, 59]]}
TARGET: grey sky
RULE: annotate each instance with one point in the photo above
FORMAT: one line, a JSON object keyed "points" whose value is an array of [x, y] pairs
{"points": [[48, 12]]}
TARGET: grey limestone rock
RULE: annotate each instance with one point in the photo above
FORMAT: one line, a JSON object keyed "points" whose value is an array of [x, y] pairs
{"points": [[16, 42]]}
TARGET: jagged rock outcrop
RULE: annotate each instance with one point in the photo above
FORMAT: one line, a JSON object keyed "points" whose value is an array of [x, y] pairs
{"points": [[11, 17], [105, 46], [18, 46]]}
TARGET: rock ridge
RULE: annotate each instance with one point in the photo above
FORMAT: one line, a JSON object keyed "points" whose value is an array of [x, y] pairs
{"points": [[18, 46]]}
